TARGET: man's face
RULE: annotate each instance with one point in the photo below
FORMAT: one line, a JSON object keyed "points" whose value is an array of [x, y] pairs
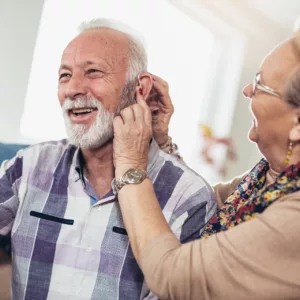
{"points": [[92, 77]]}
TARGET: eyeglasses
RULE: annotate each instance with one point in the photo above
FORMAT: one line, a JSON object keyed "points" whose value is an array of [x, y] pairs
{"points": [[258, 86]]}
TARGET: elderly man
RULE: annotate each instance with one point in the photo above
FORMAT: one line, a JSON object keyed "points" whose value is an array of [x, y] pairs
{"points": [[59, 200]]}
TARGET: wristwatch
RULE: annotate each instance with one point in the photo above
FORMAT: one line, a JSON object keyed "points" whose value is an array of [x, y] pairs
{"points": [[131, 176]]}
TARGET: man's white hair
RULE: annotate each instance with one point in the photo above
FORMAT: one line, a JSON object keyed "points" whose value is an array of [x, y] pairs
{"points": [[137, 60]]}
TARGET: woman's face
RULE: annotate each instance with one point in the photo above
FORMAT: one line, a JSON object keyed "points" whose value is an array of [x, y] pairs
{"points": [[273, 118]]}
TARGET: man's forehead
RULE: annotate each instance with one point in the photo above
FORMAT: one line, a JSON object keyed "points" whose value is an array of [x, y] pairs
{"points": [[98, 43]]}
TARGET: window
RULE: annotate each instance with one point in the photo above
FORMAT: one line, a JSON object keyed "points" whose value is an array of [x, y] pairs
{"points": [[178, 50]]}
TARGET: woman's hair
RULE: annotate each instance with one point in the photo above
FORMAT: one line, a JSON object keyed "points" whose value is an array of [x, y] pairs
{"points": [[292, 89]]}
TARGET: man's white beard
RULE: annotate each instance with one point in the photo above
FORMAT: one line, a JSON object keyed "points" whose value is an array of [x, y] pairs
{"points": [[101, 131], [89, 136]]}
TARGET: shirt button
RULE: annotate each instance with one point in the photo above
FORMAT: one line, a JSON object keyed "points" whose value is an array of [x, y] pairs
{"points": [[88, 249]]}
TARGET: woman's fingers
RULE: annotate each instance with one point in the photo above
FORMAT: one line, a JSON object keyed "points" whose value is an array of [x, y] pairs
{"points": [[118, 122], [160, 81], [132, 133], [147, 117], [127, 115], [163, 93], [138, 112]]}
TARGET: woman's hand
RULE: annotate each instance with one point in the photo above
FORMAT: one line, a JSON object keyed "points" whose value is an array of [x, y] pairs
{"points": [[132, 134], [162, 109], [144, 219]]}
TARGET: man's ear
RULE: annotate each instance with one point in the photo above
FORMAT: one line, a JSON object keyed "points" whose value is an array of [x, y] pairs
{"points": [[145, 84], [294, 135]]}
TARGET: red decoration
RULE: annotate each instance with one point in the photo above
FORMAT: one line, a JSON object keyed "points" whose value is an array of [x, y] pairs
{"points": [[210, 141]]}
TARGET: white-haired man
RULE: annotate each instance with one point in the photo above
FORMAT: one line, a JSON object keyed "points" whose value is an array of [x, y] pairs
{"points": [[59, 200]]}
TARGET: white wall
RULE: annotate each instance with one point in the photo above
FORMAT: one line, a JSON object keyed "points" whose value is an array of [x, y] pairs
{"points": [[261, 25], [19, 22]]}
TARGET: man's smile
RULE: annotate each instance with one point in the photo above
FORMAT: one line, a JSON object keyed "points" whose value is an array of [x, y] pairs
{"points": [[82, 115]]}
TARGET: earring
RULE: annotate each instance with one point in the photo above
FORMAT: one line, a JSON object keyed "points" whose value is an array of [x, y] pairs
{"points": [[288, 154]]}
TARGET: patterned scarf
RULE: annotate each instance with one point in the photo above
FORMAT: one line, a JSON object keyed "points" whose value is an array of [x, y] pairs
{"points": [[245, 202]]}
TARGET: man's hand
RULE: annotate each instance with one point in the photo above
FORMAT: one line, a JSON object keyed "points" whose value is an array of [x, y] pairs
{"points": [[132, 134], [162, 109]]}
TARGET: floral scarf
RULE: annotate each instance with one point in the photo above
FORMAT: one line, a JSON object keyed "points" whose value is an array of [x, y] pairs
{"points": [[246, 203]]}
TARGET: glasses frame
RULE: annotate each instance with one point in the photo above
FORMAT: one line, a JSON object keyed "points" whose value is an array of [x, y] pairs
{"points": [[258, 86]]}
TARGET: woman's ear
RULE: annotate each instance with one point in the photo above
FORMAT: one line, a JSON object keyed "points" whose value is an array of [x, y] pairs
{"points": [[145, 84]]}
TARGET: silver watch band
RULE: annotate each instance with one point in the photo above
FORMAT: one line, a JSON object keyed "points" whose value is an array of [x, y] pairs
{"points": [[131, 176]]}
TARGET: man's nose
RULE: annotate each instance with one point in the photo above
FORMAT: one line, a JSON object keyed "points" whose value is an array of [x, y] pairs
{"points": [[76, 87]]}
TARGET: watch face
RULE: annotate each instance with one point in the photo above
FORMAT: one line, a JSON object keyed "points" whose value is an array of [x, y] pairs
{"points": [[134, 176]]}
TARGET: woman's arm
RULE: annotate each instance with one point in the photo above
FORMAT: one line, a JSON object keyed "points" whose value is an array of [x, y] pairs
{"points": [[139, 205], [258, 259], [132, 133]]}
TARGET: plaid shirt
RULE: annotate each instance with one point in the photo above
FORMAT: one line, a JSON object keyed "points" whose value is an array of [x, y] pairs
{"points": [[69, 244]]}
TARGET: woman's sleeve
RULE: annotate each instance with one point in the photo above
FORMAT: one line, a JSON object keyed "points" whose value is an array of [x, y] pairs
{"points": [[259, 259]]}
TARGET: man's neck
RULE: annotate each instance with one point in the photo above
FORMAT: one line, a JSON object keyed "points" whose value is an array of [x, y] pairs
{"points": [[98, 168]]}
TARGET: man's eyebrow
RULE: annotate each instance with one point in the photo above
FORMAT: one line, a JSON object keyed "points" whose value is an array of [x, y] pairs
{"points": [[64, 67], [89, 62], [99, 64], [85, 64]]}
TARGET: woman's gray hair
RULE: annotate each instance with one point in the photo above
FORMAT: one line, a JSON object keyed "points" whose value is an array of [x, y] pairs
{"points": [[137, 60], [292, 89]]}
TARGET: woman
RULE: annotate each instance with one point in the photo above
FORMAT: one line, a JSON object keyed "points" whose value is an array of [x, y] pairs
{"points": [[251, 247]]}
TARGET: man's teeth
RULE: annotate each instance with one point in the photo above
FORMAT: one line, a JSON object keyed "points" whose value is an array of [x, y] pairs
{"points": [[81, 111]]}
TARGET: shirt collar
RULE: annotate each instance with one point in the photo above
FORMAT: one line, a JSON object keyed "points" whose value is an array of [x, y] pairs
{"points": [[78, 161]]}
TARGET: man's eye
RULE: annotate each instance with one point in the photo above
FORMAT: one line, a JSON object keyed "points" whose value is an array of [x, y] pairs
{"points": [[91, 71], [64, 75]]}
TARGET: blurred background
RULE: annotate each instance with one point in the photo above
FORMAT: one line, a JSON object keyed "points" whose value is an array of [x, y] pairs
{"points": [[207, 50]]}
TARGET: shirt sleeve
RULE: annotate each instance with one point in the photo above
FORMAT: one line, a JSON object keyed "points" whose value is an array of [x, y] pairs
{"points": [[10, 176], [258, 259], [191, 216]]}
